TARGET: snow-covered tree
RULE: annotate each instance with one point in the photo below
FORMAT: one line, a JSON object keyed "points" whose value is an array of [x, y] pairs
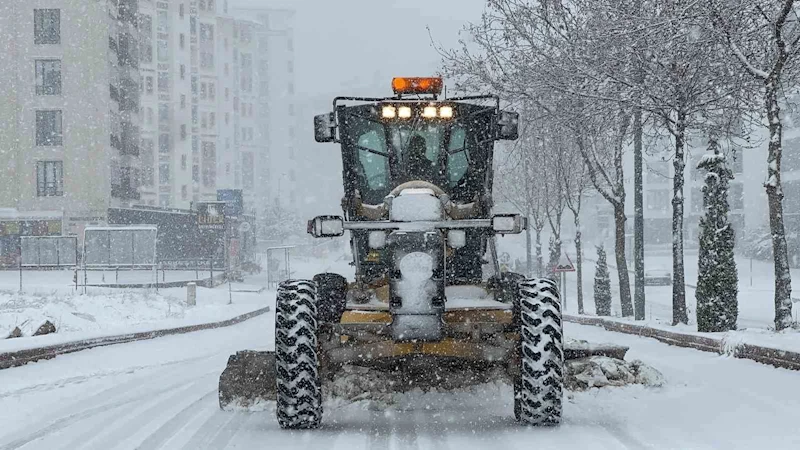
{"points": [[602, 285], [763, 40], [717, 280]]}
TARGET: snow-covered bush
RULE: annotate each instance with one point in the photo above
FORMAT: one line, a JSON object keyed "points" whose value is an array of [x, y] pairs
{"points": [[717, 281], [602, 285]]}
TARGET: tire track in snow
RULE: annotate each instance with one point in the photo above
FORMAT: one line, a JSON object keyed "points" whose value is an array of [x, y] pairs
{"points": [[120, 395], [136, 427], [172, 427], [208, 430]]}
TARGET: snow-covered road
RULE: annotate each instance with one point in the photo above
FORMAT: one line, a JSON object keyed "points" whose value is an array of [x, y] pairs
{"points": [[162, 394]]}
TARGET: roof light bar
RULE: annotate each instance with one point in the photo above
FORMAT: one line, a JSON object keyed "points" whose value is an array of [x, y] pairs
{"points": [[417, 85]]}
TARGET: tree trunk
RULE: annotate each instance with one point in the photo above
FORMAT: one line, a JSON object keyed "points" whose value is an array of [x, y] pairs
{"points": [[622, 264], [579, 262], [783, 277], [528, 252], [679, 314], [539, 262], [638, 218]]}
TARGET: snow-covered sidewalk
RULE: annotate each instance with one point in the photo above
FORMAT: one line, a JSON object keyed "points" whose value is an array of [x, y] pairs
{"points": [[108, 312]]}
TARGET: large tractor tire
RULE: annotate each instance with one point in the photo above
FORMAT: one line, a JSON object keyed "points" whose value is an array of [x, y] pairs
{"points": [[331, 296], [298, 381], [538, 388]]}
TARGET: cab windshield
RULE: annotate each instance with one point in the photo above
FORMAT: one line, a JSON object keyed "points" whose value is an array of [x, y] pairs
{"points": [[444, 153]]}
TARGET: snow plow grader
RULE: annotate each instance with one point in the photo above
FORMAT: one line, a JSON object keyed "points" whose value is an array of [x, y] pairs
{"points": [[428, 297]]}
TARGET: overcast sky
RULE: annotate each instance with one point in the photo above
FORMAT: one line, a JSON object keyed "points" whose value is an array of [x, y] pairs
{"points": [[357, 46]]}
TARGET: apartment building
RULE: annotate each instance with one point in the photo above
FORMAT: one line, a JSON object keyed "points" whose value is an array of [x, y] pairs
{"points": [[69, 122], [276, 173], [745, 194], [199, 92]]}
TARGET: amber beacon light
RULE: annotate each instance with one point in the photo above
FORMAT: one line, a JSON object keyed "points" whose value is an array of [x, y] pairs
{"points": [[417, 85]]}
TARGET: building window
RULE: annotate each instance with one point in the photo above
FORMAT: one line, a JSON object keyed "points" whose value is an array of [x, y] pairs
{"points": [[146, 36], [212, 120], [183, 101], [49, 178], [49, 130], [163, 50], [183, 132], [183, 72], [658, 199], [204, 120], [209, 164], [163, 113], [248, 170], [163, 200], [227, 118], [196, 173], [163, 81], [150, 115], [206, 46], [247, 72], [736, 195], [163, 22], [47, 26], [182, 41], [184, 192], [203, 91], [183, 162], [212, 94], [181, 10], [48, 77], [163, 143], [149, 85], [194, 115], [163, 173], [146, 159]]}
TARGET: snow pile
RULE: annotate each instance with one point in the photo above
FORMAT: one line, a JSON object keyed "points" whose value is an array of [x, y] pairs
{"points": [[601, 371], [71, 312]]}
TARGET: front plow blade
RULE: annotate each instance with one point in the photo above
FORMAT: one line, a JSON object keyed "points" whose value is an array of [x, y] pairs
{"points": [[248, 380]]}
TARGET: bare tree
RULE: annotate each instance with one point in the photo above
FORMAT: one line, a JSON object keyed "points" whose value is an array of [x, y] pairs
{"points": [[763, 38], [574, 178], [521, 183]]}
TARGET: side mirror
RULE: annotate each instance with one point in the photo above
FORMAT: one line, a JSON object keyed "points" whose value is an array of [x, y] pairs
{"points": [[509, 125], [325, 127], [509, 223], [326, 226]]}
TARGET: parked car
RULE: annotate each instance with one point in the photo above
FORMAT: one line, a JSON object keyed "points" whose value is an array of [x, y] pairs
{"points": [[657, 277]]}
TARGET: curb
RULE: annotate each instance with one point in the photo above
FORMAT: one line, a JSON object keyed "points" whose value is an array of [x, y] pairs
{"points": [[22, 357], [778, 358]]}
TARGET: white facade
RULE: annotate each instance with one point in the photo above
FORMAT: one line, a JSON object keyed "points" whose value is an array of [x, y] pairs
{"points": [[68, 123], [198, 120], [276, 101]]}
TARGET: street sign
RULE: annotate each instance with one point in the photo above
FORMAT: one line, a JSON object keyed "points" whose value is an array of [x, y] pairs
{"points": [[564, 264], [210, 215]]}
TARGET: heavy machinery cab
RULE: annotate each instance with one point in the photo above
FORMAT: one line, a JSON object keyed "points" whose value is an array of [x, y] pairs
{"points": [[414, 137], [379, 153]]}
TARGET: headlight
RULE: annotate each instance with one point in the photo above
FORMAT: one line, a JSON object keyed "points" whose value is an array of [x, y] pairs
{"points": [[446, 112], [389, 112], [429, 112], [377, 239], [416, 266], [404, 112], [456, 238]]}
